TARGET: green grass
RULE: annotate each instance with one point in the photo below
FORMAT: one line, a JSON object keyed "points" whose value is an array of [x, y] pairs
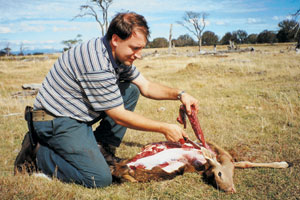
{"points": [[249, 105]]}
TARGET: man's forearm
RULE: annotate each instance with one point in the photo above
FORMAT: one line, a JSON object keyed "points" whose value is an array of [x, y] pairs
{"points": [[135, 121], [161, 92], [156, 91]]}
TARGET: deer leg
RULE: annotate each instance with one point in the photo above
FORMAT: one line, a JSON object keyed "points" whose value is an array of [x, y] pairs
{"points": [[129, 178], [247, 164]]}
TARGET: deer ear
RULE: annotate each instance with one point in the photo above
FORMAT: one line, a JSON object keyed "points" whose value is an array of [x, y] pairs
{"points": [[213, 163]]}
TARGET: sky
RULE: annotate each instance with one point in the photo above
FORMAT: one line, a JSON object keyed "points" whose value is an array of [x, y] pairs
{"points": [[44, 24]]}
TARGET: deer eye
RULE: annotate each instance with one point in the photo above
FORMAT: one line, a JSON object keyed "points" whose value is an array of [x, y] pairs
{"points": [[220, 174]]}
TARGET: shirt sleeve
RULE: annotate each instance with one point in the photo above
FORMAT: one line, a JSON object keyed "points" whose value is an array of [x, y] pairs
{"points": [[128, 73], [101, 89]]}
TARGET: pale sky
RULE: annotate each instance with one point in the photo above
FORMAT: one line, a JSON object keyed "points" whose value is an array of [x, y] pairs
{"points": [[44, 24]]}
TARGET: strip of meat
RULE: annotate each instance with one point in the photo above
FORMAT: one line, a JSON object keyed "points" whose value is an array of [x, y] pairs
{"points": [[194, 123]]}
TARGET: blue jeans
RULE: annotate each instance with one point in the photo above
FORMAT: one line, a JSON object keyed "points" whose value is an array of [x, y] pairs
{"points": [[69, 149]]}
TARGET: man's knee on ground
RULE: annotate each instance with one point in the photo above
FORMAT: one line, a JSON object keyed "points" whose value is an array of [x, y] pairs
{"points": [[98, 181]]}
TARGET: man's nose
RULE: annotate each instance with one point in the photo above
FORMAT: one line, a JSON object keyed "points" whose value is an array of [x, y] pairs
{"points": [[138, 55]]}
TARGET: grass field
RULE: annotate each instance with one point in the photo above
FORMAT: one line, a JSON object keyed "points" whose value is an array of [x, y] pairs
{"points": [[249, 105]]}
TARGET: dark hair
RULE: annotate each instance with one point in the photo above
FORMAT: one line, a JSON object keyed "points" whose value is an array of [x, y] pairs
{"points": [[123, 25]]}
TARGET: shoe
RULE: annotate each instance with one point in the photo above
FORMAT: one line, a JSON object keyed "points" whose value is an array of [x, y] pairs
{"points": [[108, 152], [26, 159]]}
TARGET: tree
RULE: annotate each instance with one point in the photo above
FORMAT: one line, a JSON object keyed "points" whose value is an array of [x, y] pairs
{"points": [[288, 30], [266, 37], [22, 49], [89, 10], [7, 49], [159, 43], [195, 22], [2, 53], [234, 37], [226, 38], [170, 38], [252, 38], [185, 40], [71, 43], [241, 36], [209, 38], [297, 34]]}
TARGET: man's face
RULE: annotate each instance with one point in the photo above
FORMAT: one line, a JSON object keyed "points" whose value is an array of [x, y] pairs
{"points": [[126, 51]]}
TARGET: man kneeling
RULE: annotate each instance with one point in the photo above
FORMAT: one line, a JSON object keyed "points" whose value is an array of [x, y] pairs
{"points": [[94, 81]]}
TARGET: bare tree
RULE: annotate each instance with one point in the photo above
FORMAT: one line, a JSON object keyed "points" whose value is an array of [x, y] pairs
{"points": [[170, 39], [101, 7], [22, 49], [72, 42], [296, 16], [195, 22]]}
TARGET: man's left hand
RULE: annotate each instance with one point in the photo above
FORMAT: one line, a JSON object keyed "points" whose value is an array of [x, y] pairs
{"points": [[189, 102]]}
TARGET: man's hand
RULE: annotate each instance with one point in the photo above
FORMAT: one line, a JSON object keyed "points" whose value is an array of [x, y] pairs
{"points": [[129, 119], [189, 102], [173, 132]]}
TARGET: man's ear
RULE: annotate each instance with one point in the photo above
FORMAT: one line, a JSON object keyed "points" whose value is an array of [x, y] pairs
{"points": [[114, 40]]}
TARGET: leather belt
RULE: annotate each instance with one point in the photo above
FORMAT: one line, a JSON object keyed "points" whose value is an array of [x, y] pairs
{"points": [[42, 115]]}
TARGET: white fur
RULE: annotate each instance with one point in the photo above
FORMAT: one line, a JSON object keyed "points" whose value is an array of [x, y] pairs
{"points": [[175, 157], [42, 175]]}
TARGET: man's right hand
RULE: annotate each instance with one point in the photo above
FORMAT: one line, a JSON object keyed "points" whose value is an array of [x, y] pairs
{"points": [[174, 133], [129, 119]]}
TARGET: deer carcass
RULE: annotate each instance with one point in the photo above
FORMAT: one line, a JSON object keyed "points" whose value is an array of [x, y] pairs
{"points": [[165, 160]]}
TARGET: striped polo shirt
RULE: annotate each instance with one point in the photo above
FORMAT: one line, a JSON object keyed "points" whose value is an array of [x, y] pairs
{"points": [[84, 81]]}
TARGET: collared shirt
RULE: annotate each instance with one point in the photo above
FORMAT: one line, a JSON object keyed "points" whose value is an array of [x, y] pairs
{"points": [[84, 81]]}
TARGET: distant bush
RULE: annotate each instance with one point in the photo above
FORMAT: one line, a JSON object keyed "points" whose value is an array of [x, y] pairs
{"points": [[2, 53], [158, 43], [38, 53], [185, 40], [209, 38], [267, 37]]}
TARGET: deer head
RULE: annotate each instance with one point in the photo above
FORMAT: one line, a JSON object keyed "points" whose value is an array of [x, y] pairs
{"points": [[221, 173]]}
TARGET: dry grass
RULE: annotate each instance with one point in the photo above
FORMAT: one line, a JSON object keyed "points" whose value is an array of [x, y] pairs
{"points": [[249, 104]]}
